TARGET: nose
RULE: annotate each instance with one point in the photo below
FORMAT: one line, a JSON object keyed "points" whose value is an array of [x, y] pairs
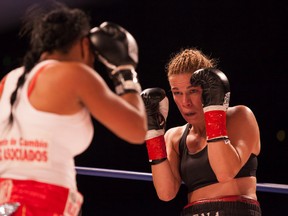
{"points": [[186, 101]]}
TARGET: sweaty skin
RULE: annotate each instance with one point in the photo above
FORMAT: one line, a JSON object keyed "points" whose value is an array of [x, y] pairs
{"points": [[226, 159]]}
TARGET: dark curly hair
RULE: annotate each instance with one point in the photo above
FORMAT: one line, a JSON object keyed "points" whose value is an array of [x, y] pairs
{"points": [[49, 27]]}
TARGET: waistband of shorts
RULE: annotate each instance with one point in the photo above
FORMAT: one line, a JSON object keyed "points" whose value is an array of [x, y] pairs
{"points": [[38, 193], [18, 185], [234, 198]]}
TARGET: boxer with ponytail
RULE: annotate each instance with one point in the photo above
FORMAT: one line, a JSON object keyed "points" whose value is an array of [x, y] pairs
{"points": [[46, 107]]}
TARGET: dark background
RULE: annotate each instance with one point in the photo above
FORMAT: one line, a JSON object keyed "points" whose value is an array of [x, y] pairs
{"points": [[250, 40]]}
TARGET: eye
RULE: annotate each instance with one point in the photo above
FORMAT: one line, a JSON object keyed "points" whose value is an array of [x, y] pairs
{"points": [[176, 93], [193, 91]]}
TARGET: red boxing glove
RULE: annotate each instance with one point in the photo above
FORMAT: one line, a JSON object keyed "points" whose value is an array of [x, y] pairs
{"points": [[215, 98], [215, 119], [156, 149], [157, 106]]}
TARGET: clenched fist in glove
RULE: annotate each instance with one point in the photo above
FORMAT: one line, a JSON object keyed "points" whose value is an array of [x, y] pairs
{"points": [[157, 107], [117, 49], [215, 99]]}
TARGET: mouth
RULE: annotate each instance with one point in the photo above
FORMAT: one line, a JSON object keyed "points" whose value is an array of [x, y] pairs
{"points": [[189, 114]]}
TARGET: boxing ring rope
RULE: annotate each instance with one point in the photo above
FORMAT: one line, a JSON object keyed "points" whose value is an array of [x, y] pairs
{"points": [[123, 174]]}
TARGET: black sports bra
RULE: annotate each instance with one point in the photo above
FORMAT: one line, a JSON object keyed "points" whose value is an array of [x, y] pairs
{"points": [[196, 171]]}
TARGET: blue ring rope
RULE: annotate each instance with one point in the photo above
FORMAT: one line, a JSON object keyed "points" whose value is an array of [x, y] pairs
{"points": [[123, 174]]}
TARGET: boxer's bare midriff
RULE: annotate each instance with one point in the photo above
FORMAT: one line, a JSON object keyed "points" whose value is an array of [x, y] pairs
{"points": [[245, 186]]}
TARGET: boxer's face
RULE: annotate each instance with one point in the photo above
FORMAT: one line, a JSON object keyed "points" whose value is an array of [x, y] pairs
{"points": [[187, 98]]}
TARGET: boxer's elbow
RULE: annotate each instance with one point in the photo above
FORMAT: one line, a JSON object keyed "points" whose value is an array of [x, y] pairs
{"points": [[166, 196], [137, 135]]}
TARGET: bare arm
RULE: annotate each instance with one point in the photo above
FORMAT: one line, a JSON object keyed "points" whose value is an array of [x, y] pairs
{"points": [[66, 87], [227, 159], [123, 115], [166, 177]]}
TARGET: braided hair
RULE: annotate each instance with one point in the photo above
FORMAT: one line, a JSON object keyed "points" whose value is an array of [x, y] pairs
{"points": [[49, 29]]}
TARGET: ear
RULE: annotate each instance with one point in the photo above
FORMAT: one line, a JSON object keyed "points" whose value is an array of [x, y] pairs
{"points": [[87, 53]]}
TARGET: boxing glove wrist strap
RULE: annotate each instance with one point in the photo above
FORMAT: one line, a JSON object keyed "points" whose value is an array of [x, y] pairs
{"points": [[125, 80], [154, 133], [156, 149], [215, 119], [155, 162]]}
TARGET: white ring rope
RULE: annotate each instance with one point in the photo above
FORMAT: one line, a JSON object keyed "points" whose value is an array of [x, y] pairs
{"points": [[122, 174]]}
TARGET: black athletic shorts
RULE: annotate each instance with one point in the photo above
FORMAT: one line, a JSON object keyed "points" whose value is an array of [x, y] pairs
{"points": [[224, 206]]}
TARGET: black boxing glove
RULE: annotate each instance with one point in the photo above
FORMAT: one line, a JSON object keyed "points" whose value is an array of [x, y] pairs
{"points": [[215, 99], [157, 107], [117, 49]]}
